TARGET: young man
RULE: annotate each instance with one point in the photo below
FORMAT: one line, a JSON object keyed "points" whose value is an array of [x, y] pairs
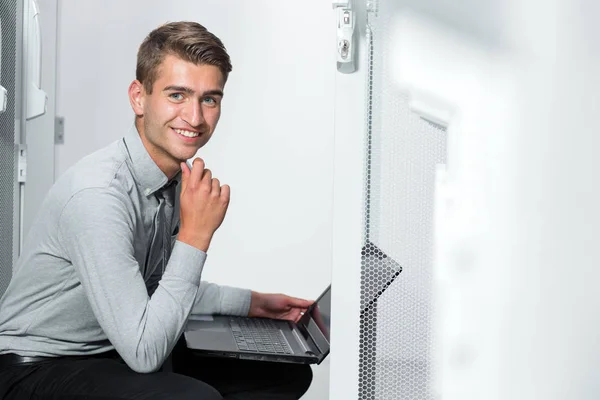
{"points": [[111, 269]]}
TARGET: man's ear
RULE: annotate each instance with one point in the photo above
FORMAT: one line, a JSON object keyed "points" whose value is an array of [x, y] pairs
{"points": [[137, 97]]}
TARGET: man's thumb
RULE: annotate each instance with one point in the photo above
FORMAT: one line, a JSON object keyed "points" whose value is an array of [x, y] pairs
{"points": [[185, 174]]}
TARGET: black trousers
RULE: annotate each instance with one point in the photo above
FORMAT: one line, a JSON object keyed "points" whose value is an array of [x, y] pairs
{"points": [[192, 377]]}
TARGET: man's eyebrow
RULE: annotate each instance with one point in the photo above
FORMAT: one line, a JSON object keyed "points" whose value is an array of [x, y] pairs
{"points": [[175, 88], [215, 92]]}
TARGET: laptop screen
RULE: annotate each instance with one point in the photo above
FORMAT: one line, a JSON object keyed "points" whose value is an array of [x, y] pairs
{"points": [[321, 312], [316, 323]]}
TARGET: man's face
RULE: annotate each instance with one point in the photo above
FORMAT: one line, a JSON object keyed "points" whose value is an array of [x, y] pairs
{"points": [[182, 112]]}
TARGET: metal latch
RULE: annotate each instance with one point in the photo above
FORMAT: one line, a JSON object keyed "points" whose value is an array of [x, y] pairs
{"points": [[3, 99], [346, 40], [22, 163], [59, 130]]}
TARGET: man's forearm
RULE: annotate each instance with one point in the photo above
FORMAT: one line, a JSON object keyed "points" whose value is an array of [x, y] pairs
{"points": [[225, 300]]}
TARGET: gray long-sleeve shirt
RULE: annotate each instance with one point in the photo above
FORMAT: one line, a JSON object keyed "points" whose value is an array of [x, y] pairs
{"points": [[87, 282]]}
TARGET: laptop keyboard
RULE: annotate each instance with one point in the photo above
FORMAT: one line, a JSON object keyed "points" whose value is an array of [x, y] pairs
{"points": [[259, 335]]}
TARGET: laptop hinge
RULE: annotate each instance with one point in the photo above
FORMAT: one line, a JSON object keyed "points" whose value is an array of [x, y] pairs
{"points": [[311, 331], [301, 340], [309, 347]]}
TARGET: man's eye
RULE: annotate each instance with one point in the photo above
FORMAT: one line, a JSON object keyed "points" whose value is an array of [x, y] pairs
{"points": [[210, 101], [176, 96]]}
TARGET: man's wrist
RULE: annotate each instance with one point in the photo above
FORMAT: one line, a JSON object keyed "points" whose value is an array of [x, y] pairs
{"points": [[199, 241], [255, 301]]}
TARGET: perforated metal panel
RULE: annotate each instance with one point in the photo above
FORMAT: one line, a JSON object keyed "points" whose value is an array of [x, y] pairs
{"points": [[402, 153], [8, 188]]}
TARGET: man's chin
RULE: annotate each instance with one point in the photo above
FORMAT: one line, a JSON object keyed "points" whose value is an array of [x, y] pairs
{"points": [[186, 156], [184, 153]]}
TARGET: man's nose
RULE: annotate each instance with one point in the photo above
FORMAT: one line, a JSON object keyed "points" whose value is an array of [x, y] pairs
{"points": [[192, 114]]}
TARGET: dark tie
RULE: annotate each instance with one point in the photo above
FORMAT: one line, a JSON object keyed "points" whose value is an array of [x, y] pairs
{"points": [[164, 220]]}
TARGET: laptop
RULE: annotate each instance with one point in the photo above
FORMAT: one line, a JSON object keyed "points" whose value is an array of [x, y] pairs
{"points": [[304, 342]]}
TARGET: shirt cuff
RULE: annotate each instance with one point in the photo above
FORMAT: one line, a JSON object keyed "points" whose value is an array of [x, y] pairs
{"points": [[186, 262]]}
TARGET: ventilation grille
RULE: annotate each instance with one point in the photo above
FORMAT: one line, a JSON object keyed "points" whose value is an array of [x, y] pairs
{"points": [[8, 188], [403, 151]]}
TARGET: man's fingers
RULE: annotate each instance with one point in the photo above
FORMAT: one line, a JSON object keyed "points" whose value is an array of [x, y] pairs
{"points": [[207, 176], [197, 170], [202, 207], [216, 187], [300, 303], [298, 317], [225, 192], [185, 175]]}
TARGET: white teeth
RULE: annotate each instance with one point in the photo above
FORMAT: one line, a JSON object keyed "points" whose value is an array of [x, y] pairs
{"points": [[186, 133]]}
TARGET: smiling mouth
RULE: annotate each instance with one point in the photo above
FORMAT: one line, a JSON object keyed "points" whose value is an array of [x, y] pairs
{"points": [[185, 133]]}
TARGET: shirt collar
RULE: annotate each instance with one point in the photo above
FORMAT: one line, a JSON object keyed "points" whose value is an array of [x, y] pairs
{"points": [[147, 174]]}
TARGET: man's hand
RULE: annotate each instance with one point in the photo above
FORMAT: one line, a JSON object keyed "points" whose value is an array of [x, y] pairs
{"points": [[203, 203], [277, 306]]}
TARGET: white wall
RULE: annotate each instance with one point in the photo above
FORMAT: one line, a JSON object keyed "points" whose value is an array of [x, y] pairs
{"points": [[39, 132], [274, 144]]}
